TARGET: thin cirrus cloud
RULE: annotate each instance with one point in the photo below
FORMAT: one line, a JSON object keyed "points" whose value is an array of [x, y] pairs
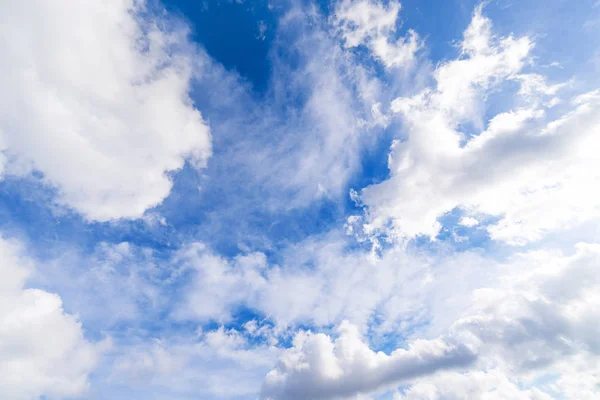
{"points": [[374, 224]]}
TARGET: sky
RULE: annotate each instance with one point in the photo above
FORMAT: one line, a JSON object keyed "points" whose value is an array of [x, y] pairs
{"points": [[300, 199]]}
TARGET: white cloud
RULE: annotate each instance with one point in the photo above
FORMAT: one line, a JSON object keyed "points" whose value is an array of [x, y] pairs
{"points": [[120, 285], [42, 349], [317, 368], [373, 24], [492, 385], [321, 141], [318, 282], [521, 320], [218, 284], [472, 327], [533, 326], [214, 364], [95, 97], [532, 171], [468, 221]]}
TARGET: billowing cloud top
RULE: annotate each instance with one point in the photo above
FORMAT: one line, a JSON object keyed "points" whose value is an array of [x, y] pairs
{"points": [[96, 98], [42, 348]]}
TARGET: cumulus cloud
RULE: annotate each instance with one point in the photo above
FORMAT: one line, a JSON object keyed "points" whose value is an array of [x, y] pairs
{"points": [[373, 24], [535, 320], [318, 368], [96, 99], [529, 169], [43, 351], [219, 284], [503, 326], [120, 285]]}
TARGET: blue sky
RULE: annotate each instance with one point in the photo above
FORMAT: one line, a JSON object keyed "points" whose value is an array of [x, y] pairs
{"points": [[353, 199]]}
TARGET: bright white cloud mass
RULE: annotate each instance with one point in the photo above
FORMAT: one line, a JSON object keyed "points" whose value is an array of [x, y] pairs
{"points": [[42, 348], [299, 199], [101, 90]]}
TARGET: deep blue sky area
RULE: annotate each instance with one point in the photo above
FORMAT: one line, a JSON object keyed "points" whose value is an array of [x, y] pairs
{"points": [[230, 33], [229, 30]]}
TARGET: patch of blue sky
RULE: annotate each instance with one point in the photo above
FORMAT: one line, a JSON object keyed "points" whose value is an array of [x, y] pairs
{"points": [[374, 161], [558, 28], [29, 212], [227, 194], [462, 237], [232, 218], [440, 24], [394, 339], [237, 34]]}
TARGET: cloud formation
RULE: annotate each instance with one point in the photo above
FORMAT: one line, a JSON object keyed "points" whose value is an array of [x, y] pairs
{"points": [[261, 269], [319, 281], [43, 350], [518, 169], [374, 24], [96, 100], [538, 319], [318, 368]]}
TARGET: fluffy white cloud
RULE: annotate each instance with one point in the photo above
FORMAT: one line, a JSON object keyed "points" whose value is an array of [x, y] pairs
{"points": [[95, 97], [111, 102], [468, 222], [219, 285], [373, 24], [531, 169], [528, 334], [42, 348], [317, 368], [524, 327]]}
